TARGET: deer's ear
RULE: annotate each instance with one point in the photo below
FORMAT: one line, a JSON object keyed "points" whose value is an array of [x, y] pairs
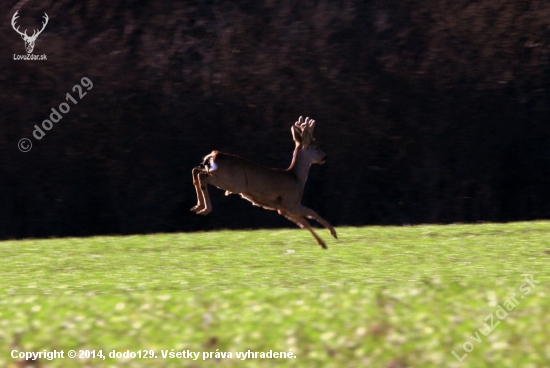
{"points": [[296, 134], [23, 36]]}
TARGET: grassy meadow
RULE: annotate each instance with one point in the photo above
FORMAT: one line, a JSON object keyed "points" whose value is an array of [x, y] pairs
{"points": [[391, 297]]}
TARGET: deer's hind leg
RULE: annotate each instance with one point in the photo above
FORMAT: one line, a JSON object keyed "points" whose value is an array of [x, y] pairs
{"points": [[200, 181], [196, 183], [204, 180]]}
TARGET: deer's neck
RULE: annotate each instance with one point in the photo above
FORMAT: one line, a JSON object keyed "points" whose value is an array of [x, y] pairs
{"points": [[300, 165]]}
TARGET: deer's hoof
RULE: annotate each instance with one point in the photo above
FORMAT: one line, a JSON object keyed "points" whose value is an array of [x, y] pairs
{"points": [[204, 212], [322, 244]]}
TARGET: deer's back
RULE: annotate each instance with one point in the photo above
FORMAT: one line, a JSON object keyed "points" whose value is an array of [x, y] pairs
{"points": [[240, 175]]}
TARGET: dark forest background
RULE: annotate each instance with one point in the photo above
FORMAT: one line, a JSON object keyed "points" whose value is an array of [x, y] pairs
{"points": [[432, 111]]}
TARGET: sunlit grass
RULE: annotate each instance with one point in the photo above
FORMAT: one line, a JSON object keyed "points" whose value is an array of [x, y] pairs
{"points": [[379, 296]]}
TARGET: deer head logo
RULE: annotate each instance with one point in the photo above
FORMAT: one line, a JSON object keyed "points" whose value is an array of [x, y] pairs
{"points": [[29, 40]]}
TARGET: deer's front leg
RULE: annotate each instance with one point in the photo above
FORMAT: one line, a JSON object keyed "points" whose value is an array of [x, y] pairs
{"points": [[304, 224], [309, 213]]}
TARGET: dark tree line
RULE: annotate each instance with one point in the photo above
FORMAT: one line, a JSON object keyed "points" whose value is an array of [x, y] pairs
{"points": [[431, 111]]}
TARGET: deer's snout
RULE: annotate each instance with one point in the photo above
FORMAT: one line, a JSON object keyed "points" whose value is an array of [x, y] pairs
{"points": [[324, 159]]}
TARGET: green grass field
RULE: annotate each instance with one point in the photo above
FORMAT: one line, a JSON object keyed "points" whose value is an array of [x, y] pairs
{"points": [[390, 297]]}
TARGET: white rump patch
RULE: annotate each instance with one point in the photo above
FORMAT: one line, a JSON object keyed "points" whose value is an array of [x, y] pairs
{"points": [[212, 166]]}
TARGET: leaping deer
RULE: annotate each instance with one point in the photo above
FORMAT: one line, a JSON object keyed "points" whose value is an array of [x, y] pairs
{"points": [[273, 189], [29, 40]]}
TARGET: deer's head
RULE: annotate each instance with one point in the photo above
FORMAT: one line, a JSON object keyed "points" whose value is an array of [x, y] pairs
{"points": [[29, 40], [302, 132]]}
